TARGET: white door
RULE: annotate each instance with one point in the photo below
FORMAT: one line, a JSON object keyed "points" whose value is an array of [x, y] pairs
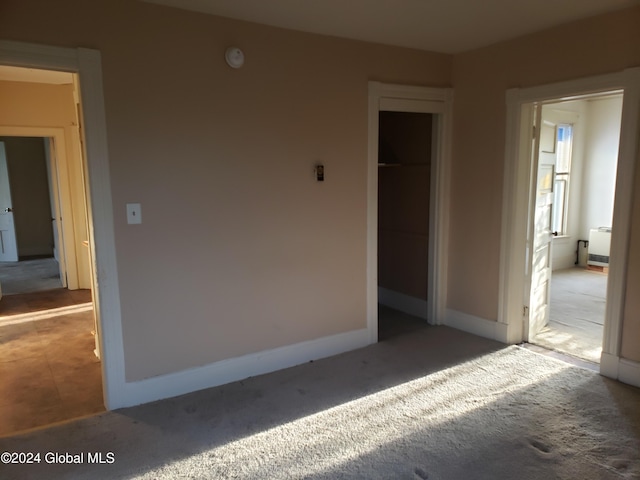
{"points": [[8, 245], [541, 236]]}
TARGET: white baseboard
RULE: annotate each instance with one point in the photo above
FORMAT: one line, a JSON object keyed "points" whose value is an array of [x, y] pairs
{"points": [[476, 325], [627, 371], [609, 365], [233, 369], [403, 303]]}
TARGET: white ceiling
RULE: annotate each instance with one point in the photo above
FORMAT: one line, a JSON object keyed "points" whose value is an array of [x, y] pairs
{"points": [[19, 74], [448, 26]]}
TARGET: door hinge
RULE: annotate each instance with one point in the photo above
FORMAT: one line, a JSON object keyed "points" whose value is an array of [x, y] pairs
{"points": [[525, 310], [533, 133]]}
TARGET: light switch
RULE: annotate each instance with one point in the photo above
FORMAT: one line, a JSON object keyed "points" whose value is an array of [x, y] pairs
{"points": [[134, 213]]}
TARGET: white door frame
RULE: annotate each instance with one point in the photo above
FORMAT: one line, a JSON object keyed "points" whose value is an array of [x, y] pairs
{"points": [[515, 212], [55, 195], [437, 101], [87, 64], [61, 183]]}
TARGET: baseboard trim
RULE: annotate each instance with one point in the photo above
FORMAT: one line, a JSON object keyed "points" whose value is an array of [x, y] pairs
{"points": [[627, 371], [476, 325], [609, 365], [233, 369], [404, 303]]}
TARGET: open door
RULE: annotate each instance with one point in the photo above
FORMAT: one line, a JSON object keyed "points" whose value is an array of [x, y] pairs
{"points": [[8, 244], [541, 231]]}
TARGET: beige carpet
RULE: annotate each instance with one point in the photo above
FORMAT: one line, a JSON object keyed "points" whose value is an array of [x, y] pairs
{"points": [[28, 276], [436, 404], [577, 309]]}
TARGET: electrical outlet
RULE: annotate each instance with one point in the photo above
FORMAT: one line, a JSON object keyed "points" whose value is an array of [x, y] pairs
{"points": [[134, 213]]}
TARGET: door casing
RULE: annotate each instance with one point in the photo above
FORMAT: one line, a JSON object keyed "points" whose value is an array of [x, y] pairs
{"points": [[516, 205], [87, 64], [439, 102], [54, 177]]}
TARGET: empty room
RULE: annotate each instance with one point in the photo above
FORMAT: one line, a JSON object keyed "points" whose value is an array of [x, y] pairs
{"points": [[319, 237]]}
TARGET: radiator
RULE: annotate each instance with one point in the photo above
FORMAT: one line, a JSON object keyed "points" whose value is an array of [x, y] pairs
{"points": [[599, 246]]}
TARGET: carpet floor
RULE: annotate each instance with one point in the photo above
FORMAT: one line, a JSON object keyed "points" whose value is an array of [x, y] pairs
{"points": [[27, 276], [577, 309], [433, 404]]}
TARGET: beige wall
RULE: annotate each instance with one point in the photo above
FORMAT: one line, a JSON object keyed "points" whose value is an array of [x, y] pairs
{"points": [[29, 195], [53, 106], [631, 331], [609, 43], [240, 249]]}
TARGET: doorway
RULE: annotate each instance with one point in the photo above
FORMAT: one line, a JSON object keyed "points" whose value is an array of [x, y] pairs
{"points": [[580, 140], [86, 64], [48, 336], [404, 168], [418, 121], [518, 251], [30, 252]]}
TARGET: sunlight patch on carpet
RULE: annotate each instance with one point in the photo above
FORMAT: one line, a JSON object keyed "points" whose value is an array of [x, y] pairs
{"points": [[341, 434]]}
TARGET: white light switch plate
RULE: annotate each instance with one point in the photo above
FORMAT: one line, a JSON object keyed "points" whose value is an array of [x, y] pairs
{"points": [[134, 213]]}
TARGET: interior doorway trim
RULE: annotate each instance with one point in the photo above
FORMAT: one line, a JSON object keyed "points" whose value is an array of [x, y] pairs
{"points": [[517, 182], [439, 102], [87, 64]]}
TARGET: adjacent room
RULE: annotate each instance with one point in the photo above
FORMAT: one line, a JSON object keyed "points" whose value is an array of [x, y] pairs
{"points": [[49, 353], [580, 138], [310, 239]]}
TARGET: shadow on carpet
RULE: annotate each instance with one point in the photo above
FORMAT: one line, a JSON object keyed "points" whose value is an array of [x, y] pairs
{"points": [[437, 404]]}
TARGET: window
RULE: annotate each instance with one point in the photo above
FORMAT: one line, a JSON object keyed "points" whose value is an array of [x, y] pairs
{"points": [[564, 142]]}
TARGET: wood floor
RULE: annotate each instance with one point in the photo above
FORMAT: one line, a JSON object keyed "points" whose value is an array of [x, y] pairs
{"points": [[48, 371]]}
